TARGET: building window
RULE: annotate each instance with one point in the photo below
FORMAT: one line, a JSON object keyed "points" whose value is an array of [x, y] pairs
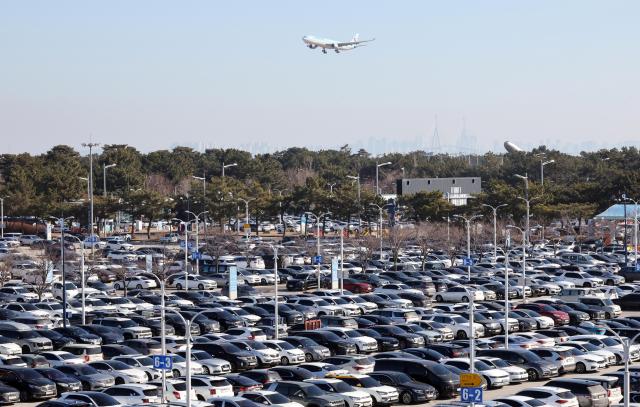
{"points": [[428, 182], [453, 181], [473, 180], [407, 182]]}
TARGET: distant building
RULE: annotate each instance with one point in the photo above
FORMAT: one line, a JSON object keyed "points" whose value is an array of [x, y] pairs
{"points": [[456, 190]]}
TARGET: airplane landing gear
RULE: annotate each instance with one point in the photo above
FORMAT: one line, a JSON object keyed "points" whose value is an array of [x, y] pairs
{"points": [[324, 51]]}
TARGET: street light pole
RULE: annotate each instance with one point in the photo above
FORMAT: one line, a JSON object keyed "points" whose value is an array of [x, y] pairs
{"points": [[186, 283], [525, 178], [331, 188], [246, 215], [342, 261], [542, 164], [472, 331], [495, 238], [318, 217], [227, 166], [91, 145], [380, 208], [377, 174], [82, 282], [104, 178], [506, 297], [357, 178], [524, 261], [2, 216]]}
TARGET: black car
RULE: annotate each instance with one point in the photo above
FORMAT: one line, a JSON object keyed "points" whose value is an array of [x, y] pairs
{"points": [[79, 335], [144, 346], [8, 394], [385, 343], [426, 354], [406, 339], [155, 324], [629, 302], [31, 384], [90, 378], [63, 382], [57, 339], [302, 282], [425, 371], [206, 325], [238, 358], [450, 350], [378, 319], [336, 345], [576, 316], [263, 376], [536, 367], [284, 311], [111, 351], [411, 391], [242, 383], [226, 319], [179, 326], [108, 334], [292, 373]]}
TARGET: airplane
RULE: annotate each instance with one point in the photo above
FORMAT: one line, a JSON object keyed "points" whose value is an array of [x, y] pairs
{"points": [[325, 43]]}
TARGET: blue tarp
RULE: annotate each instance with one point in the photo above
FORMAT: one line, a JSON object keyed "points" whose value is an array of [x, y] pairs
{"points": [[616, 212]]}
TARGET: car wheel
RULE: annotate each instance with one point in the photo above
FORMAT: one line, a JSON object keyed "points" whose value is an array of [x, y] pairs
{"points": [[119, 381], [533, 375], [20, 300], [618, 359], [24, 396], [465, 299], [461, 335], [116, 286], [200, 398], [308, 357], [586, 285], [438, 298], [284, 360], [139, 286], [608, 315], [610, 282], [149, 377], [201, 286], [176, 373], [489, 385], [581, 368], [178, 286], [263, 282], [405, 397], [206, 370]]}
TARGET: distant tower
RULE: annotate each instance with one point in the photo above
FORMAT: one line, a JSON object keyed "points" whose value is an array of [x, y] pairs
{"points": [[435, 139]]}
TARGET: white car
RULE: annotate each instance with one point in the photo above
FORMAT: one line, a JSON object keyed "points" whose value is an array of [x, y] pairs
{"points": [[60, 358], [554, 396], [12, 360], [142, 362], [8, 347], [19, 294], [354, 398], [122, 255], [459, 294], [179, 367], [320, 370], [269, 398], [118, 244], [516, 374], [585, 362], [26, 309], [495, 377], [28, 240], [396, 289], [289, 354], [210, 365], [138, 282], [587, 347], [581, 279], [248, 276], [542, 340], [266, 356], [612, 344], [206, 387], [122, 372], [521, 401], [381, 394], [459, 325], [254, 334], [170, 238], [86, 399], [364, 344], [175, 390], [134, 393], [194, 282]]}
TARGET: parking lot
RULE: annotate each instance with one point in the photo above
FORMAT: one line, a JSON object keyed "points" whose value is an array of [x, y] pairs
{"points": [[394, 311]]}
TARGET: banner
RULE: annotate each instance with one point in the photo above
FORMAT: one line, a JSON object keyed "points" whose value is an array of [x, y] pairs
{"points": [[149, 263], [233, 282], [334, 273]]}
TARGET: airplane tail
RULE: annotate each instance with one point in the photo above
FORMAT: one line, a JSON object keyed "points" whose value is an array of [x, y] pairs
{"points": [[355, 38]]}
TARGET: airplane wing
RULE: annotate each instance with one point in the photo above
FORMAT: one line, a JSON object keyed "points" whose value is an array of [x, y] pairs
{"points": [[344, 44]]}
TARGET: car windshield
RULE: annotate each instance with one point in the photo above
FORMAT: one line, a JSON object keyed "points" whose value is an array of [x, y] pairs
{"points": [[178, 358], [84, 369], [67, 356], [314, 391], [459, 320], [576, 352], [341, 387], [590, 346], [499, 363], [480, 365], [28, 374], [286, 345], [117, 365], [52, 374], [200, 355], [257, 345], [610, 342]]}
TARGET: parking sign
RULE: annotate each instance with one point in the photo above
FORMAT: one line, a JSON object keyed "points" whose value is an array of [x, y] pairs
{"points": [[162, 362], [471, 394], [467, 261]]}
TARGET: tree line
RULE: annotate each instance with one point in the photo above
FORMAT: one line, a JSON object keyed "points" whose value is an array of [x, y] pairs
{"points": [[161, 184]]}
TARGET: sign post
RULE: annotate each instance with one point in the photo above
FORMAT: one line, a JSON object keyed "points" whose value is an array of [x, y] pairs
{"points": [[470, 390], [162, 362]]}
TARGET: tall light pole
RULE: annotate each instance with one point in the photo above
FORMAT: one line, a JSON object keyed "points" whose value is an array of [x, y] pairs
{"points": [[524, 261], [377, 174], [2, 215], [89, 213], [104, 178], [186, 283], [506, 297], [163, 335], [542, 164], [525, 178], [227, 166], [495, 232], [635, 228], [82, 282], [318, 217], [380, 208], [91, 145], [341, 260], [64, 285], [357, 179], [246, 214], [204, 199], [402, 172], [472, 331]]}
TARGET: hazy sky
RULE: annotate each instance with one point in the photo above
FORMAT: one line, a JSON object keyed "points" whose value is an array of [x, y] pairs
{"points": [[156, 74]]}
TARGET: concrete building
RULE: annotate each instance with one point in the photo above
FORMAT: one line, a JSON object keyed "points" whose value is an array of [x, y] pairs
{"points": [[456, 190]]}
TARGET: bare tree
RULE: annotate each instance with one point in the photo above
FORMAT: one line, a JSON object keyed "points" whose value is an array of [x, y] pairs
{"points": [[41, 277], [397, 238], [429, 236], [366, 247]]}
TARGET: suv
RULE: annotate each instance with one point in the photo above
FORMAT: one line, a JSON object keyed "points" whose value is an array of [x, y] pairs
{"points": [[130, 329], [444, 380], [589, 393], [602, 304], [307, 394], [536, 367]]}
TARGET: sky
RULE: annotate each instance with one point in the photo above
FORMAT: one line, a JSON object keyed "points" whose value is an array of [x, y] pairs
{"points": [[213, 74]]}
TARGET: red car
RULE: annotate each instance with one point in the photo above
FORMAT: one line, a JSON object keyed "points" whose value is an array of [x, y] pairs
{"points": [[356, 286], [559, 317]]}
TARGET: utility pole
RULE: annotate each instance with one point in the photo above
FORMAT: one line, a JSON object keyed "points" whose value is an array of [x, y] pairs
{"points": [[104, 178], [91, 145], [495, 232]]}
